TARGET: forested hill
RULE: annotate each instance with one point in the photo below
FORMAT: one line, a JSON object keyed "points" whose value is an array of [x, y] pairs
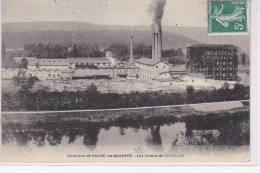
{"points": [[16, 35], [100, 38]]}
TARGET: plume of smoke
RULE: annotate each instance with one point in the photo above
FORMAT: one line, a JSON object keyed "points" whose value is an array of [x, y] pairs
{"points": [[157, 8]]}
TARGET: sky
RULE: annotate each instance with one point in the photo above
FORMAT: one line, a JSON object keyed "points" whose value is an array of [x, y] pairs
{"points": [[105, 12]]}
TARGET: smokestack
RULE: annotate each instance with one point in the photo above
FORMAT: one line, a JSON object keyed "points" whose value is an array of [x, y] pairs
{"points": [[157, 8], [153, 47], [156, 46], [159, 56], [131, 50]]}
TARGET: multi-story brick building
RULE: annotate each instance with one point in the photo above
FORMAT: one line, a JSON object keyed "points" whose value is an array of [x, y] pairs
{"points": [[218, 62]]}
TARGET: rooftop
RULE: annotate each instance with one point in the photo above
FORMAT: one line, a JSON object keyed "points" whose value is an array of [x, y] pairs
{"points": [[148, 61], [88, 60], [191, 76], [164, 80], [211, 45], [10, 69], [53, 62], [132, 74], [32, 62], [85, 73], [18, 59], [177, 68]]}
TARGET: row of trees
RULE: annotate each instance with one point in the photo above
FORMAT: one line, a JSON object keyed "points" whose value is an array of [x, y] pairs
{"points": [[239, 92], [120, 51], [174, 56], [91, 98], [58, 51], [172, 52], [7, 60]]}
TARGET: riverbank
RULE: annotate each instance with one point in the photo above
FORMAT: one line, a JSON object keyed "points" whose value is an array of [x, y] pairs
{"points": [[176, 112]]}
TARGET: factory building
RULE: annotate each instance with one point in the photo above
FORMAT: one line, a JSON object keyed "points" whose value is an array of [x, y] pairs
{"points": [[218, 62], [18, 60], [9, 73], [92, 63], [106, 73], [76, 68], [48, 74], [52, 64], [40, 74], [69, 63], [151, 68], [125, 72], [92, 74], [47, 64]]}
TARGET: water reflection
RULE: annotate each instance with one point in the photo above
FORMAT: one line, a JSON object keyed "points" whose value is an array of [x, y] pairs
{"points": [[39, 138], [122, 131], [199, 131], [22, 138], [156, 137], [154, 140], [91, 138]]}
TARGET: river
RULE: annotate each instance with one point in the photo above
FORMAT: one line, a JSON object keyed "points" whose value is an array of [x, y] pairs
{"points": [[191, 139]]}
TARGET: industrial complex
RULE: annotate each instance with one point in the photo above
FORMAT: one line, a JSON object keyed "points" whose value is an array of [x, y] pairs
{"points": [[217, 62]]}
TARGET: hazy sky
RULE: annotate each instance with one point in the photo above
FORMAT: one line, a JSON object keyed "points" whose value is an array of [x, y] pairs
{"points": [[107, 12]]}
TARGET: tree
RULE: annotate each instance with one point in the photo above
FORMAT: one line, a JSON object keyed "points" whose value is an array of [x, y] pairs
{"points": [[224, 92], [240, 92], [40, 51], [23, 81], [75, 51], [190, 92], [95, 52], [119, 50], [168, 52], [141, 50], [92, 89], [179, 52], [24, 63], [3, 50], [176, 60], [225, 86], [243, 58], [24, 97]]}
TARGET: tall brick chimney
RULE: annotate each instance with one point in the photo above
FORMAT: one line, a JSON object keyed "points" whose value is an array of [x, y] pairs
{"points": [[153, 46], [159, 53], [156, 46], [131, 50]]}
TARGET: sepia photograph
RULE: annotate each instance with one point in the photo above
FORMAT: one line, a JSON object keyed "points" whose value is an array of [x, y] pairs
{"points": [[125, 81]]}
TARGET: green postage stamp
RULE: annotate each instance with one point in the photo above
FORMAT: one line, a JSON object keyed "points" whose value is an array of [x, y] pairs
{"points": [[227, 16]]}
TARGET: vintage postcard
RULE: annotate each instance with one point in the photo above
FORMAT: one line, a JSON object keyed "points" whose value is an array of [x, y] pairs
{"points": [[129, 81]]}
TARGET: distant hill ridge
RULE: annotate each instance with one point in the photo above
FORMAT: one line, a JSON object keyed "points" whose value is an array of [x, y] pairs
{"points": [[16, 35]]}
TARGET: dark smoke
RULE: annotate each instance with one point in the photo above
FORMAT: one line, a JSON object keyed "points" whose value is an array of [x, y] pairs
{"points": [[157, 8]]}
